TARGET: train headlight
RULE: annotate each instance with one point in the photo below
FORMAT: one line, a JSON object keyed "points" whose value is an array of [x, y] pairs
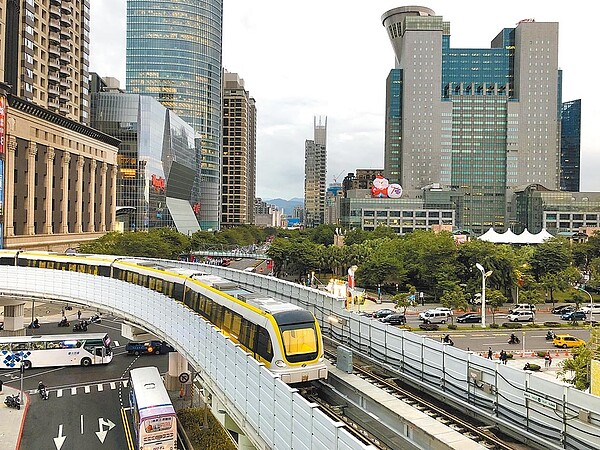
{"points": [[280, 363]]}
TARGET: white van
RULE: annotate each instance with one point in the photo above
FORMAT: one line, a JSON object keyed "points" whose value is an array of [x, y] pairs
{"points": [[522, 307], [436, 316]]}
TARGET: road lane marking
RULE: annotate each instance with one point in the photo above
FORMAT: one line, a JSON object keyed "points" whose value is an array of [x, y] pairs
{"points": [[113, 385], [86, 389], [100, 387], [73, 391], [59, 392]]}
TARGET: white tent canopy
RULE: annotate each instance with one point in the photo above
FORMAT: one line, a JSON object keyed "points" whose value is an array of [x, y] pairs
{"points": [[508, 237]]}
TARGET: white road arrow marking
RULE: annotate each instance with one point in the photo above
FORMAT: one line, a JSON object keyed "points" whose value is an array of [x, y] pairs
{"points": [[60, 440], [102, 432]]}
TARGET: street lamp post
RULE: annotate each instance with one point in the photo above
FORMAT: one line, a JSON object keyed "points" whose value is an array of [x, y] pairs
{"points": [[484, 276]]}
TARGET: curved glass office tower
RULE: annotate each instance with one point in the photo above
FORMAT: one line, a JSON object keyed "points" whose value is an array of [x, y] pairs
{"points": [[174, 55]]}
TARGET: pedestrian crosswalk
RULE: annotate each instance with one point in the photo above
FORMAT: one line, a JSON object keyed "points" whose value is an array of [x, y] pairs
{"points": [[83, 389]]}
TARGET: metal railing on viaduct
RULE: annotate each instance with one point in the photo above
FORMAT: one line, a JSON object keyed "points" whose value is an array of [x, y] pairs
{"points": [[270, 413], [544, 413]]}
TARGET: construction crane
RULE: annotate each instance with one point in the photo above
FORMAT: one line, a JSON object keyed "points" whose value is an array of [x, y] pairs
{"points": [[335, 178]]}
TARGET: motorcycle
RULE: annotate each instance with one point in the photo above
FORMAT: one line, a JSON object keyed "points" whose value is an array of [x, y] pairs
{"points": [[43, 392], [514, 340], [13, 401], [64, 323], [34, 324], [550, 336], [95, 319], [81, 326], [448, 340]]}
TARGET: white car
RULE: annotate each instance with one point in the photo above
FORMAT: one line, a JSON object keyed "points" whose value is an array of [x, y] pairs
{"points": [[438, 309], [521, 316], [595, 308]]}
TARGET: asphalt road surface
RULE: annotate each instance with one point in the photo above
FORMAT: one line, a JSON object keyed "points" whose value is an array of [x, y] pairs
{"points": [[86, 404]]}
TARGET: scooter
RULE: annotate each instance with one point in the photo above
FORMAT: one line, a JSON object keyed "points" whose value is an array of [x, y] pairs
{"points": [[514, 340], [95, 319], [64, 322], [43, 392], [34, 324], [550, 335], [81, 326], [13, 401]]}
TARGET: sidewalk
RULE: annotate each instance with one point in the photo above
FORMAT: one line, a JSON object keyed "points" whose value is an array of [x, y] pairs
{"points": [[12, 420]]}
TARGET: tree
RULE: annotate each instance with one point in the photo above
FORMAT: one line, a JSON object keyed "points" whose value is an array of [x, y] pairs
{"points": [[455, 299], [494, 299], [405, 299], [533, 295], [550, 257], [576, 370]]}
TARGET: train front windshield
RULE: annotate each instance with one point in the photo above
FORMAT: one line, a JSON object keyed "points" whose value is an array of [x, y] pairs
{"points": [[300, 341]]}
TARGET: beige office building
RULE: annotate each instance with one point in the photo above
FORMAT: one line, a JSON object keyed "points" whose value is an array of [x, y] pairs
{"points": [[239, 153], [59, 174]]}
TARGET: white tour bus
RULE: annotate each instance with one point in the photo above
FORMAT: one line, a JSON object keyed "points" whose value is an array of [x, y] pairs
{"points": [[55, 350], [155, 421]]}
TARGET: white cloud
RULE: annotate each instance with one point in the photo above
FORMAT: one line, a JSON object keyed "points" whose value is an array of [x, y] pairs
{"points": [[307, 58]]}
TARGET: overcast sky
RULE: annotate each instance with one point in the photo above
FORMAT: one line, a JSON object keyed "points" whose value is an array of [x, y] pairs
{"points": [[305, 58]]}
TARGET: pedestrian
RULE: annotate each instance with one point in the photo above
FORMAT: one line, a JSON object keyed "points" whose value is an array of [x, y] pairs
{"points": [[547, 360], [78, 314], [490, 353], [503, 357]]}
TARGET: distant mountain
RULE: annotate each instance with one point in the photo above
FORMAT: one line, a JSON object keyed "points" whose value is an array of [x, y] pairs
{"points": [[286, 205]]}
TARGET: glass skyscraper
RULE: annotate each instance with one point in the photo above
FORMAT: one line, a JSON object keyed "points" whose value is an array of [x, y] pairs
{"points": [[570, 146], [157, 160], [478, 121], [174, 55]]}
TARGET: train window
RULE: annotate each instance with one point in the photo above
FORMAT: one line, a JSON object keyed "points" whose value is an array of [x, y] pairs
{"points": [[201, 303], [168, 288], [236, 326], [104, 271], [134, 278], [227, 319], [178, 291], [207, 308], [72, 267], [159, 284], [263, 347], [299, 340], [216, 315], [151, 283]]}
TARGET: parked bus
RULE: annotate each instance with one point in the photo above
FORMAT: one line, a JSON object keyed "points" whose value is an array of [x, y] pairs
{"points": [[53, 350], [154, 418]]}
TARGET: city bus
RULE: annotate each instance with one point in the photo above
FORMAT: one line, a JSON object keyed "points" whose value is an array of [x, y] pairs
{"points": [[154, 418], [54, 350]]}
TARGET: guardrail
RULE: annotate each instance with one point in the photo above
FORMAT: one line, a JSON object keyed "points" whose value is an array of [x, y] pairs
{"points": [[545, 413], [269, 412]]}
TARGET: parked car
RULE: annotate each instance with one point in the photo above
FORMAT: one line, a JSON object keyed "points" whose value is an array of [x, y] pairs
{"points": [[567, 341], [436, 316], [521, 316], [527, 307], [381, 313], [562, 309], [394, 319], [594, 307], [448, 311], [573, 315], [469, 318]]}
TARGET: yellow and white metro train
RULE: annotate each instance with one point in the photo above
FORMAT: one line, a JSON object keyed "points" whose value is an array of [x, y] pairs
{"points": [[283, 336]]}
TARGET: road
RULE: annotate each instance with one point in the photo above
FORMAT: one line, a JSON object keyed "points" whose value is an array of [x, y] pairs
{"points": [[84, 408]]}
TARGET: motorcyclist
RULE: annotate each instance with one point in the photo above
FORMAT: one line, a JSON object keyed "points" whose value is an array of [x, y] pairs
{"points": [[550, 335], [513, 339], [42, 390], [447, 338], [526, 366]]}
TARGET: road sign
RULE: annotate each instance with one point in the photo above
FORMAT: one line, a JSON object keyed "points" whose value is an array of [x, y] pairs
{"points": [[184, 377]]}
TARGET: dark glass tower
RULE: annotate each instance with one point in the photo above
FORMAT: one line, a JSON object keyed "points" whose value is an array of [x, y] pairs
{"points": [[174, 55], [570, 146]]}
